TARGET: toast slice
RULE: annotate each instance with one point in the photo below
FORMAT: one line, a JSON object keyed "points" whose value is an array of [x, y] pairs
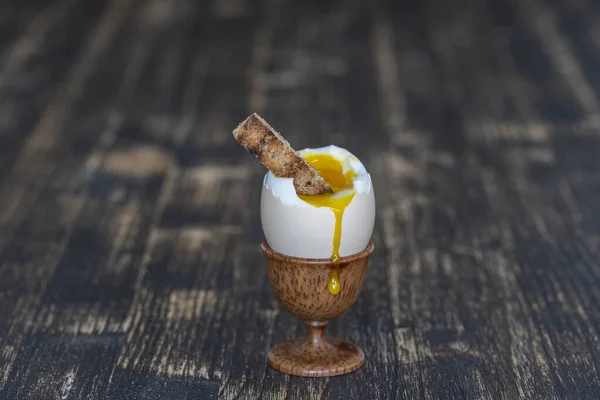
{"points": [[275, 153]]}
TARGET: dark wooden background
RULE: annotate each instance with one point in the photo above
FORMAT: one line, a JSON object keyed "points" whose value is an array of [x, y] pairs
{"points": [[129, 217]]}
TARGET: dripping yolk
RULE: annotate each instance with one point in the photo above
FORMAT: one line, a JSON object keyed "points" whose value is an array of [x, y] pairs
{"points": [[331, 169]]}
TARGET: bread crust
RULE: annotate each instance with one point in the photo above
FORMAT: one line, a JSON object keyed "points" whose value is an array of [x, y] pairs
{"points": [[275, 153]]}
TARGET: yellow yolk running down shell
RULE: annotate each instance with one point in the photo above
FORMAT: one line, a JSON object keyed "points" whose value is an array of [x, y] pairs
{"points": [[342, 184]]}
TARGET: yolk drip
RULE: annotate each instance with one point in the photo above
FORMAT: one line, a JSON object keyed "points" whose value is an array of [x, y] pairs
{"points": [[342, 184]]}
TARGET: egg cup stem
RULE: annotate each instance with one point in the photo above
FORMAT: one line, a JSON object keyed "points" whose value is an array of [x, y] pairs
{"points": [[316, 332]]}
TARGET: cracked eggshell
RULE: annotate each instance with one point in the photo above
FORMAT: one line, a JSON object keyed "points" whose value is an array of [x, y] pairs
{"points": [[295, 228]]}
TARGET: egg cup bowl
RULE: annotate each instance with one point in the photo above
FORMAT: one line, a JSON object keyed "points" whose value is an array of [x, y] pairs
{"points": [[300, 285]]}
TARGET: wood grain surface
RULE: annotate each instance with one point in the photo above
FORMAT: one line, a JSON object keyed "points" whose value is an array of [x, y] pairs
{"points": [[130, 261]]}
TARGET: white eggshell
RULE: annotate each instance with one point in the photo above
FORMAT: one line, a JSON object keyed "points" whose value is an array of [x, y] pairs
{"points": [[295, 228]]}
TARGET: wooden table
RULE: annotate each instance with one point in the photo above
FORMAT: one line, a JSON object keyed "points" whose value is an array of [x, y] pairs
{"points": [[130, 265]]}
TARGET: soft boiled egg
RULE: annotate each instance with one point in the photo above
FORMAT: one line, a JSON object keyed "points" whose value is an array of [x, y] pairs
{"points": [[331, 225]]}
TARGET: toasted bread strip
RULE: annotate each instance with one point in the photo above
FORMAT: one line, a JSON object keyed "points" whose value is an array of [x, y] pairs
{"points": [[275, 153]]}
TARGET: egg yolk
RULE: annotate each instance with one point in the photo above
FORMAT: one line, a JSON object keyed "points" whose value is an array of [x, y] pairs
{"points": [[331, 169]]}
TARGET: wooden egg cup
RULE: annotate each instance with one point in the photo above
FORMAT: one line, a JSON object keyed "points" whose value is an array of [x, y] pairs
{"points": [[300, 285]]}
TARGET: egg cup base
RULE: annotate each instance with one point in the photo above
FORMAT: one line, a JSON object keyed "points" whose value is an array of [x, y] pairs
{"points": [[328, 357]]}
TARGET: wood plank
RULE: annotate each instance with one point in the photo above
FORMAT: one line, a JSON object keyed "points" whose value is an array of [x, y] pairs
{"points": [[189, 305], [72, 366], [27, 265], [31, 72], [147, 386], [445, 234], [78, 175], [185, 286], [14, 20], [549, 292], [100, 263], [44, 148]]}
